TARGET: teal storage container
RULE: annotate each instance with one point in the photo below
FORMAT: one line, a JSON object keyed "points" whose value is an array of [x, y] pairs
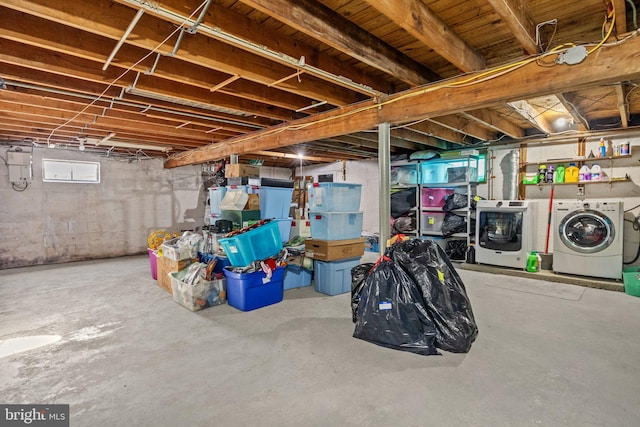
{"points": [[256, 244]]}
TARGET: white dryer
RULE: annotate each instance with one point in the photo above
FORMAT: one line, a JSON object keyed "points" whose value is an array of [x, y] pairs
{"points": [[505, 232], [588, 238]]}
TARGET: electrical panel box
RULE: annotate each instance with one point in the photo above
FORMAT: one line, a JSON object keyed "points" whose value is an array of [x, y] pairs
{"points": [[19, 166]]}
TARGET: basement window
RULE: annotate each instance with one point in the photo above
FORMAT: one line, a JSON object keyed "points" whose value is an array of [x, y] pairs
{"points": [[70, 171]]}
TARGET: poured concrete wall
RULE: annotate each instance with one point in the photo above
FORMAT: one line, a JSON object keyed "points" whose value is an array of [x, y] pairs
{"points": [[61, 222]]}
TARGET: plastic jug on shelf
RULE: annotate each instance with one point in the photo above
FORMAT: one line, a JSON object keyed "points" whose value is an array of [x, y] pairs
{"points": [[596, 173], [584, 174], [559, 174], [571, 173]]}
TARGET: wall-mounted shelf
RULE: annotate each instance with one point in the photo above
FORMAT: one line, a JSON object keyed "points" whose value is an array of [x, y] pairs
{"points": [[574, 160]]}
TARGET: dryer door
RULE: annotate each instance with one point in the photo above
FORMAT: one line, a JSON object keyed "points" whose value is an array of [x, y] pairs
{"points": [[586, 231]]}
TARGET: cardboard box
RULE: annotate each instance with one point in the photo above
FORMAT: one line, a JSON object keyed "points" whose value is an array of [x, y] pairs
{"points": [[166, 266], [253, 203], [331, 250], [237, 170]]}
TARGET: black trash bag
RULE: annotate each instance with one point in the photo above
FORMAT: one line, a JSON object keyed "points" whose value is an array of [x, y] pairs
{"points": [[456, 249], [444, 293], [458, 201], [391, 313], [453, 223], [402, 201], [358, 274], [454, 201]]}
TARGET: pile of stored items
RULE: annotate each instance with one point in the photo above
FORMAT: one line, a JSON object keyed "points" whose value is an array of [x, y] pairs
{"points": [[412, 300], [253, 249]]}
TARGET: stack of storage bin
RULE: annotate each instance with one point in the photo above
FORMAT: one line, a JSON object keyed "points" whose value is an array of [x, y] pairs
{"points": [[248, 291], [275, 203], [336, 228]]}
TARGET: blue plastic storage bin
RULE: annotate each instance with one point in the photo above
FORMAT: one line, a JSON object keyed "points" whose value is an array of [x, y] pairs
{"points": [[296, 276], [284, 226], [256, 244], [334, 277], [334, 197], [221, 261], [249, 291], [216, 194], [336, 225], [275, 202]]}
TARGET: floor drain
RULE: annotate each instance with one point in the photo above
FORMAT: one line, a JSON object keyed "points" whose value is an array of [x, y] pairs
{"points": [[13, 346]]}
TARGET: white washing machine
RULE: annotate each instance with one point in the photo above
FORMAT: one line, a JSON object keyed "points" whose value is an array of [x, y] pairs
{"points": [[588, 238], [504, 232]]}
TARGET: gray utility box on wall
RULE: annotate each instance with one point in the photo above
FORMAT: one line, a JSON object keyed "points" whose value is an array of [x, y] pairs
{"points": [[19, 166]]}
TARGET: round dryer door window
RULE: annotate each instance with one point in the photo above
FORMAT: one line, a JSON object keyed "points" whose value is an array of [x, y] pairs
{"points": [[586, 231]]}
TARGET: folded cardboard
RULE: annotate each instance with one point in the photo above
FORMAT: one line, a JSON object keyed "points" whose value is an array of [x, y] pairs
{"points": [[237, 170], [166, 266], [331, 250]]}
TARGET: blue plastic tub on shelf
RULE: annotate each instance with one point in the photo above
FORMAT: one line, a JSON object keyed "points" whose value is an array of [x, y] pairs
{"points": [[275, 202], [334, 277], [256, 244], [336, 225], [249, 291], [296, 276], [334, 197]]}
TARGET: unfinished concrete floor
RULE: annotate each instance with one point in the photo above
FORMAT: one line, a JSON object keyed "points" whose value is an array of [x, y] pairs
{"points": [[547, 354]]}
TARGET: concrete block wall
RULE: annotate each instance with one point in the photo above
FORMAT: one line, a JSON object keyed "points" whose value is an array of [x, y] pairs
{"points": [[60, 222]]}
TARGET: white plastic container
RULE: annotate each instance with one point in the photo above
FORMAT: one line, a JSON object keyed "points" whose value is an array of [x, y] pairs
{"points": [[584, 174], [596, 173]]}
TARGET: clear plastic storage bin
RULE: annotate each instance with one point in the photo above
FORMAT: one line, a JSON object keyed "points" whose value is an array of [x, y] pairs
{"points": [[336, 225], [334, 197]]}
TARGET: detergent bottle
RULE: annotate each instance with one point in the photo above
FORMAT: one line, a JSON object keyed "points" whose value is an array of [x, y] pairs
{"points": [[596, 172], [602, 150], [584, 174], [534, 261], [571, 173], [559, 174]]}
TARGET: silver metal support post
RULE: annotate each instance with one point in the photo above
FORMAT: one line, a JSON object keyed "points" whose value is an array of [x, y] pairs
{"points": [[384, 154]]}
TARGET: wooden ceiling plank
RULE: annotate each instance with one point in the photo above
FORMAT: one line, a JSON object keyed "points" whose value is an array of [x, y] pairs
{"points": [[466, 126], [515, 15], [493, 121], [607, 65], [417, 19], [321, 23], [243, 28], [196, 49]]}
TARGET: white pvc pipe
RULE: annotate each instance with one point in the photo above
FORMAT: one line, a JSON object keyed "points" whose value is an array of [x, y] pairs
{"points": [[123, 38]]}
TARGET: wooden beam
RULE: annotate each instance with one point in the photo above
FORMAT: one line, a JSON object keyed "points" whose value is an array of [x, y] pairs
{"points": [[515, 16], [623, 104], [195, 49], [419, 21], [570, 106], [322, 23], [493, 121], [248, 30], [607, 65], [466, 126]]}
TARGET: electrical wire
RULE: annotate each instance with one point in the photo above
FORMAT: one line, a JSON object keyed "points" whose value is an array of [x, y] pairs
{"points": [[124, 73], [471, 80]]}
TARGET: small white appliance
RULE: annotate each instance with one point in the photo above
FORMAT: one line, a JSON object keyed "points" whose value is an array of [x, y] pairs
{"points": [[504, 232], [588, 238]]}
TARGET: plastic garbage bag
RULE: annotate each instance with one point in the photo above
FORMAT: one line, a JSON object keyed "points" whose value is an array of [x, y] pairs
{"points": [[453, 223], [390, 311], [443, 292], [455, 201], [456, 249], [402, 202], [358, 274]]}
